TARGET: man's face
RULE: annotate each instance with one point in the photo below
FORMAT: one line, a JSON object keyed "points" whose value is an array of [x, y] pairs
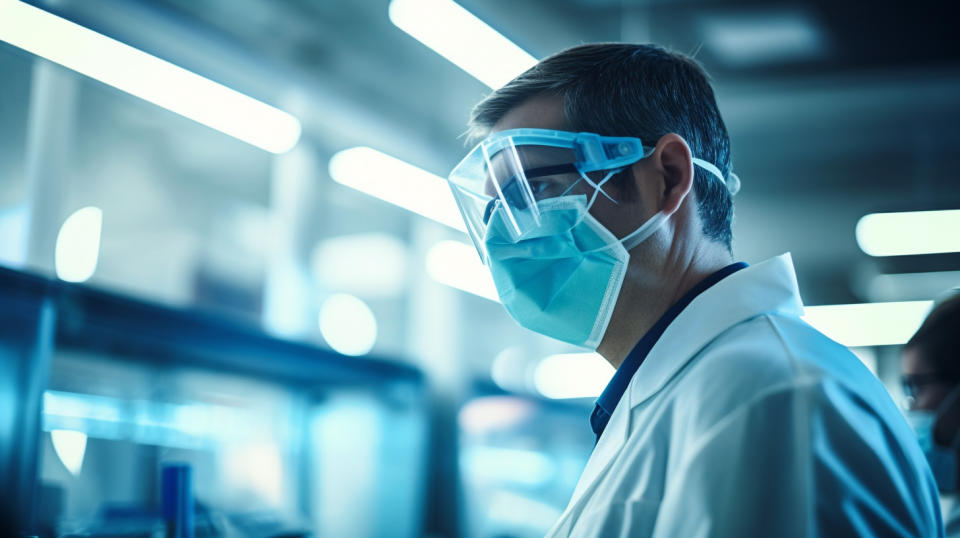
{"points": [[546, 112], [930, 389]]}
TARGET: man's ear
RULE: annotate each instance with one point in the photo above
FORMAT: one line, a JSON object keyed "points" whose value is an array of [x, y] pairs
{"points": [[673, 165]]}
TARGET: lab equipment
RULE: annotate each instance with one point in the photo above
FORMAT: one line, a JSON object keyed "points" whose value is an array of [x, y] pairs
{"points": [[281, 438], [520, 457], [177, 485]]}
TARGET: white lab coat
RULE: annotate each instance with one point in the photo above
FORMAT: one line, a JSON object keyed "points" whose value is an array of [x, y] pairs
{"points": [[745, 421]]}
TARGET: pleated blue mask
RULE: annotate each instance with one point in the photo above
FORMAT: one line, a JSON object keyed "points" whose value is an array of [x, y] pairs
{"points": [[563, 279], [942, 460]]}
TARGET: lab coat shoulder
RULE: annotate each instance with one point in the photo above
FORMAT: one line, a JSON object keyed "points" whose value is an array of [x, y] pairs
{"points": [[765, 354], [745, 421], [791, 436], [748, 359]]}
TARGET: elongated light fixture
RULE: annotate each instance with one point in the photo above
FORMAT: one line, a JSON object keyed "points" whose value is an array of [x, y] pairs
{"points": [[397, 182], [910, 232], [572, 375], [869, 324], [78, 245], [70, 446], [459, 36], [457, 265], [147, 77]]}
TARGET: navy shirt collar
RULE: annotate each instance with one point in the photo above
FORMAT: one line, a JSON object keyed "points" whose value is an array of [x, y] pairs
{"points": [[612, 395]]}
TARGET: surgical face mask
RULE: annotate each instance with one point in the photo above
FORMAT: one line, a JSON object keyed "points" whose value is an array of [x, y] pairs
{"points": [[563, 280], [942, 460]]}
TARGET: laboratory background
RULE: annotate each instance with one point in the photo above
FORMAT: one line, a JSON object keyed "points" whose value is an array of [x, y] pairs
{"points": [[237, 299]]}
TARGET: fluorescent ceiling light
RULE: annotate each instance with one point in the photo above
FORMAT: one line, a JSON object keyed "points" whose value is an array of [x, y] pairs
{"points": [[70, 446], [147, 77], [397, 182], [459, 36], [911, 286], [368, 265], [484, 415], [348, 324], [78, 245], [910, 232], [572, 375], [510, 368], [869, 324], [457, 264], [758, 38], [868, 356]]}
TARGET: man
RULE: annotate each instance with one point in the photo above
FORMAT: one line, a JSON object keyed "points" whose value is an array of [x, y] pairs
{"points": [[600, 199], [931, 379]]}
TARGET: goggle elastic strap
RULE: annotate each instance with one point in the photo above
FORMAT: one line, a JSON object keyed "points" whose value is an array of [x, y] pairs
{"points": [[598, 187], [732, 183]]}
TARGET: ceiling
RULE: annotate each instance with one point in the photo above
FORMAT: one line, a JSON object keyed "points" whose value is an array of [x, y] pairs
{"points": [[835, 109]]}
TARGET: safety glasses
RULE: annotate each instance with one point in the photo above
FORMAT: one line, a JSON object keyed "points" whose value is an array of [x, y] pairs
{"points": [[517, 169]]}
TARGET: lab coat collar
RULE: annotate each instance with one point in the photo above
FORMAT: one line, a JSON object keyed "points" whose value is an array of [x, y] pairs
{"points": [[613, 394], [767, 287]]}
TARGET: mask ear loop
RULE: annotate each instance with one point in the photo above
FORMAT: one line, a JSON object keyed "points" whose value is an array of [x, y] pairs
{"points": [[637, 236], [648, 228]]}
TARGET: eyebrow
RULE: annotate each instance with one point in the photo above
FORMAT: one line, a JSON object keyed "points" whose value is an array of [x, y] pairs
{"points": [[550, 170]]}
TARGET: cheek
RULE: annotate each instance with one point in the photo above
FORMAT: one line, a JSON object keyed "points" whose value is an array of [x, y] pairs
{"points": [[910, 363], [931, 398], [622, 216], [621, 219]]}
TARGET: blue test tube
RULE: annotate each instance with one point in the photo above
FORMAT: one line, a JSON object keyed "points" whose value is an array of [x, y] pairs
{"points": [[177, 494]]}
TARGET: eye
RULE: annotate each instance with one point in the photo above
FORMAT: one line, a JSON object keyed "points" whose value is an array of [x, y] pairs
{"points": [[539, 187]]}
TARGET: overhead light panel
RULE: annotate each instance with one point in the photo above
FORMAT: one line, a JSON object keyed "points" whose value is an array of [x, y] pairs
{"points": [[147, 77], [909, 232], [397, 182], [744, 40], [78, 245], [457, 264], [869, 324], [911, 286], [572, 375], [459, 36], [70, 446], [370, 265], [348, 324]]}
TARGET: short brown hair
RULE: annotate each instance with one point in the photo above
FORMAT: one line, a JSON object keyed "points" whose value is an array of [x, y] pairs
{"points": [[642, 91]]}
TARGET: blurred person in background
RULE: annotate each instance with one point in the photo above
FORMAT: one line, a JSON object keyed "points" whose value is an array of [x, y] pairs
{"points": [[931, 380], [600, 198]]}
